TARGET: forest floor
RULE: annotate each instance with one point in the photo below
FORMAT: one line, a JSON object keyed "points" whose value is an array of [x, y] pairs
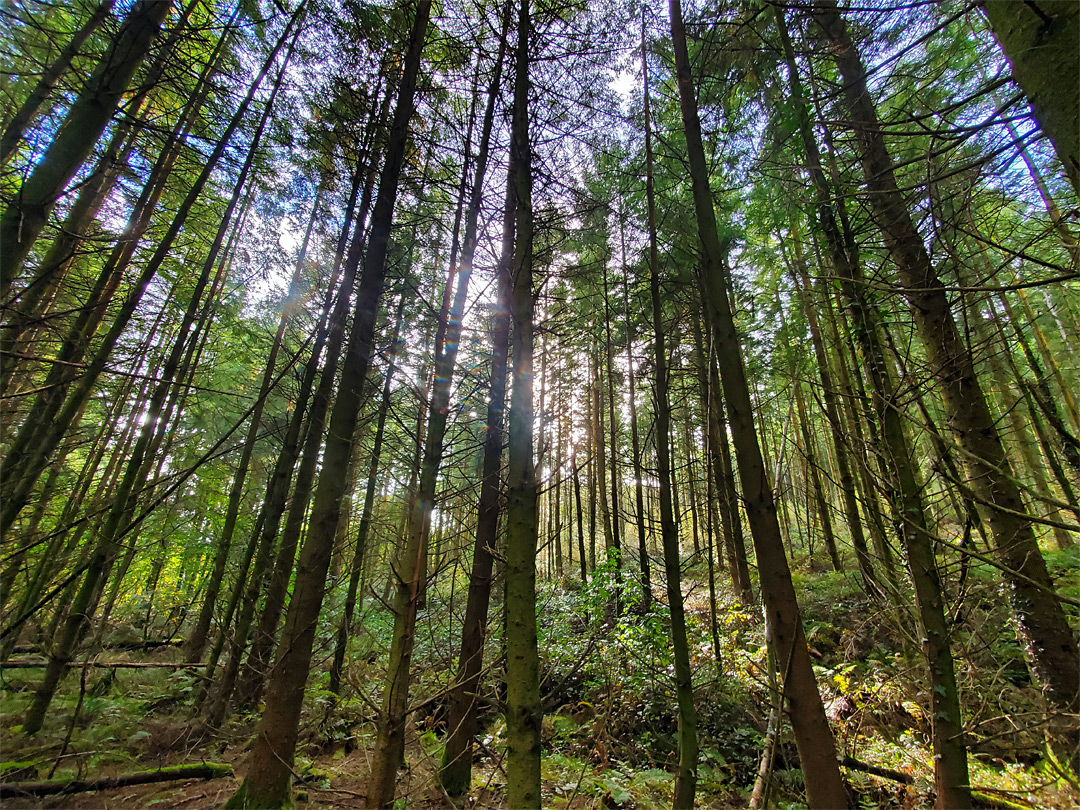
{"points": [[609, 725]]}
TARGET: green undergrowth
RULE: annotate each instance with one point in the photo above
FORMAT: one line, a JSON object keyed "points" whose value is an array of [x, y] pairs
{"points": [[609, 729]]}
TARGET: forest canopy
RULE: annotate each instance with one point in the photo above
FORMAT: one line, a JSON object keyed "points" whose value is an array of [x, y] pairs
{"points": [[540, 404]]}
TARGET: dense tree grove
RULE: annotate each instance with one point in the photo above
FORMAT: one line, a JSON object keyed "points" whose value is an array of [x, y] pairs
{"points": [[525, 405]]}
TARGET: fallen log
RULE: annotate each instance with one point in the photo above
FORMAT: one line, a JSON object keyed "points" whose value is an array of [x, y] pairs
{"points": [[100, 665], [874, 770], [24, 649], [51, 787]]}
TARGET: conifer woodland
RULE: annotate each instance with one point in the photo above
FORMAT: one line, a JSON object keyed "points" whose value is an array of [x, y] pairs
{"points": [[540, 404]]}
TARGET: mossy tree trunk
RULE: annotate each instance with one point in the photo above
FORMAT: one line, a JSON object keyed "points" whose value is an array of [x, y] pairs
{"points": [[1041, 39], [523, 707]]}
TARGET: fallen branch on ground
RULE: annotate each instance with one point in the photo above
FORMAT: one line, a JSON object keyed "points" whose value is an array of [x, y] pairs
{"points": [[202, 770], [874, 770], [24, 649], [100, 665]]}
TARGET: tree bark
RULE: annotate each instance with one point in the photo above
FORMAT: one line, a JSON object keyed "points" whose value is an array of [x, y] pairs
{"points": [[950, 754], [635, 442], [686, 777], [28, 110], [267, 783], [363, 530], [1043, 629], [524, 711], [813, 737], [1041, 41], [411, 568], [26, 216], [456, 772]]}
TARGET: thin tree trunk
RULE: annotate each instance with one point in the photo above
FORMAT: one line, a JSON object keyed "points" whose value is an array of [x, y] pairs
{"points": [[717, 480], [635, 442], [267, 783], [364, 529], [579, 517], [456, 771], [154, 427], [599, 483], [51, 271], [1044, 631], [691, 482], [21, 332], [814, 739], [524, 711], [26, 216], [686, 777], [726, 484], [328, 334], [821, 502], [253, 677], [615, 549], [836, 430]]}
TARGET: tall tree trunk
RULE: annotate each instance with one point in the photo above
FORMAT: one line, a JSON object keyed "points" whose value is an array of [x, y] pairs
{"points": [[329, 331], [524, 711], [28, 110], [253, 678], [691, 478], [862, 426], [615, 549], [364, 529], [23, 327], [158, 415], [261, 543], [820, 501], [412, 568], [717, 491], [1043, 629], [813, 737], [583, 558], [267, 783], [590, 417], [456, 772], [26, 216], [44, 284], [598, 485], [686, 778], [950, 755], [51, 271], [635, 442], [730, 516]]}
